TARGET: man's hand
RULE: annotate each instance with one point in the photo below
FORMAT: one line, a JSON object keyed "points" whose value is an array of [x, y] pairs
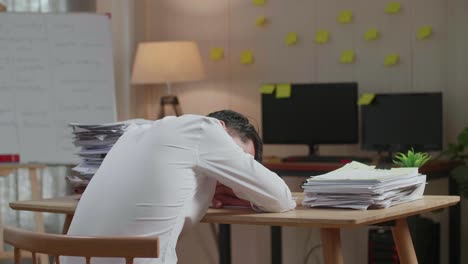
{"points": [[224, 196]]}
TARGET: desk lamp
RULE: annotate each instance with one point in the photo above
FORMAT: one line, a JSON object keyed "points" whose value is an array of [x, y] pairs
{"points": [[167, 62]]}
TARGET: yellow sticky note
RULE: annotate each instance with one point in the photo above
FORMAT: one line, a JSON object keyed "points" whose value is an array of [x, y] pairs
{"points": [[247, 57], [261, 21], [259, 2], [345, 17], [347, 57], [283, 90], [291, 38], [393, 7], [267, 88], [322, 36], [391, 59], [217, 54], [366, 99], [371, 34], [424, 32]]}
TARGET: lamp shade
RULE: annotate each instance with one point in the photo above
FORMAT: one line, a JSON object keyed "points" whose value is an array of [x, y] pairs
{"points": [[167, 62]]}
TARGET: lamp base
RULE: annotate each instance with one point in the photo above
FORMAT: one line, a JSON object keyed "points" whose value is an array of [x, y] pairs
{"points": [[173, 102]]}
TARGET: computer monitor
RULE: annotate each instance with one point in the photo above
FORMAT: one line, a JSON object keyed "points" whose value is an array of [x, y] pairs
{"points": [[401, 121], [316, 113]]}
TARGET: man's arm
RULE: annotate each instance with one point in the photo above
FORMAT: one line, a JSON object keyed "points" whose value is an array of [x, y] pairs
{"points": [[225, 196], [221, 158]]}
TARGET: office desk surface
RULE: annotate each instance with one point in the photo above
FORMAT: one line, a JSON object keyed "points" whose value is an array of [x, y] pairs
{"points": [[329, 218], [305, 217]]}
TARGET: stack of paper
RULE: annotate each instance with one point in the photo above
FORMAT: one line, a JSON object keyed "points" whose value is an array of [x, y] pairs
{"points": [[359, 186], [95, 141]]}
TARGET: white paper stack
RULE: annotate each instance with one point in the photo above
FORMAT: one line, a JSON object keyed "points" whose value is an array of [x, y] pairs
{"points": [[359, 186], [95, 141]]}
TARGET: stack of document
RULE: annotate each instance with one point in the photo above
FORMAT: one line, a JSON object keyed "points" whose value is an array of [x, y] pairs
{"points": [[95, 141], [362, 187]]}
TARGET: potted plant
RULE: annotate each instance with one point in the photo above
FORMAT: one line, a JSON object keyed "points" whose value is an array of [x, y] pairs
{"points": [[411, 159], [456, 152]]}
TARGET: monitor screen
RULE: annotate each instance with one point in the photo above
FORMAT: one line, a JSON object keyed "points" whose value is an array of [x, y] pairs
{"points": [[321, 113], [398, 122]]}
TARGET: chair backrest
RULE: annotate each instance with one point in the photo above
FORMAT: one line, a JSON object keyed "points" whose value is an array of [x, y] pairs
{"points": [[65, 245]]}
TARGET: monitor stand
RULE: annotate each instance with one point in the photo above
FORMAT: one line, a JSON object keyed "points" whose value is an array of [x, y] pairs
{"points": [[385, 162]]}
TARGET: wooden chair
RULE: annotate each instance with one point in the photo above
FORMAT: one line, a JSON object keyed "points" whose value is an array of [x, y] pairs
{"points": [[36, 193], [87, 247]]}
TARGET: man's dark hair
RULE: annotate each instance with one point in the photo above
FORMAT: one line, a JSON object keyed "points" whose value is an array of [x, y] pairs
{"points": [[239, 125]]}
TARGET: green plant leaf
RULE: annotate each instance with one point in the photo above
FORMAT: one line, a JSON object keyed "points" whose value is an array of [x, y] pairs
{"points": [[418, 162], [411, 159], [460, 175], [410, 154], [463, 137]]}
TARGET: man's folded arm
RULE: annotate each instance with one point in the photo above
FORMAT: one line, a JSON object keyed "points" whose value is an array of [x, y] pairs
{"points": [[221, 158], [250, 181]]}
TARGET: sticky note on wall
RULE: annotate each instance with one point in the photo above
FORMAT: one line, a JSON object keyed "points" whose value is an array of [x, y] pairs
{"points": [[391, 59], [347, 57], [322, 36], [345, 17], [267, 88], [216, 54], [261, 21], [247, 57], [291, 38], [259, 2], [366, 99], [393, 7], [283, 90], [371, 34], [424, 32]]}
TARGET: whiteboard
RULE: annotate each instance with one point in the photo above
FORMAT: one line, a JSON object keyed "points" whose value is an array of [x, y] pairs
{"points": [[54, 69]]}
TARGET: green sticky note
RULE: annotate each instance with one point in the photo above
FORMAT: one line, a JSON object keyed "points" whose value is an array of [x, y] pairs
{"points": [[216, 54], [291, 38], [267, 88], [322, 36], [371, 34], [391, 59], [393, 7], [259, 2], [424, 32], [347, 57], [366, 98], [247, 57], [345, 17], [283, 90], [261, 21]]}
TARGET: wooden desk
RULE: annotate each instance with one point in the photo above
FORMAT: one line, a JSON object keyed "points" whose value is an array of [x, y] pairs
{"points": [[330, 221], [5, 170], [435, 169]]}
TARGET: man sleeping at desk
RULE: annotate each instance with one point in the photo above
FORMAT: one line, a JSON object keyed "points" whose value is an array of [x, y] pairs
{"points": [[161, 177]]}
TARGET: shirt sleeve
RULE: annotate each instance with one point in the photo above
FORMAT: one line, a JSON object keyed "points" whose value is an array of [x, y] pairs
{"points": [[221, 158]]}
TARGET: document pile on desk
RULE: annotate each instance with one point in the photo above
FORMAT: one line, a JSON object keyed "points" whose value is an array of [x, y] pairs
{"points": [[95, 141], [362, 187]]}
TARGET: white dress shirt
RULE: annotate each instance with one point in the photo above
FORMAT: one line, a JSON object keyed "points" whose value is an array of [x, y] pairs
{"points": [[160, 177]]}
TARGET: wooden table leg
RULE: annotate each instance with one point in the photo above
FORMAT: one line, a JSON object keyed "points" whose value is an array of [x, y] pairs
{"points": [[403, 242], [331, 244], [66, 223], [36, 195]]}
